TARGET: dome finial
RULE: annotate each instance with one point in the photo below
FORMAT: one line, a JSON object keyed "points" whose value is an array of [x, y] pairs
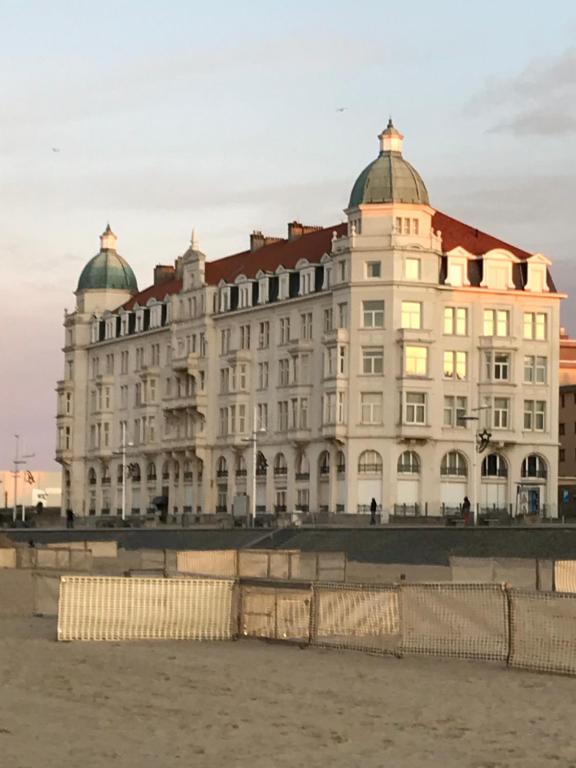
{"points": [[391, 139], [108, 239], [194, 240]]}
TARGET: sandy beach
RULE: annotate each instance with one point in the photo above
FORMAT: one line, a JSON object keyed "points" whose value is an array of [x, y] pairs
{"points": [[250, 704]]}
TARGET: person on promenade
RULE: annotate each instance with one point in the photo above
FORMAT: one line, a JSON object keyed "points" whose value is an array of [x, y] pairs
{"points": [[373, 509], [466, 510], [69, 518]]}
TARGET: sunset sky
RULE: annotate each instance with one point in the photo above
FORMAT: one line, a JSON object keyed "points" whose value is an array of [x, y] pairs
{"points": [[223, 117]]}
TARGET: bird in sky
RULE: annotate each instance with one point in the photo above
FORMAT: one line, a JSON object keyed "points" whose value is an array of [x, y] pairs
{"points": [[55, 149], [341, 109]]}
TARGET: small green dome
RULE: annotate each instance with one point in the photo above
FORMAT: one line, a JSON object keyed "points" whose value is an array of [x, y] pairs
{"points": [[108, 270], [389, 178]]}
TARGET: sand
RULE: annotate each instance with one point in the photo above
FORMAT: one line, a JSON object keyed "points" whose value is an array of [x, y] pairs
{"points": [[253, 705]]}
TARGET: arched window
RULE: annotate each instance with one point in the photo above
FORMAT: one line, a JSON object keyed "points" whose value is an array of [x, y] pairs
{"points": [[166, 470], [302, 467], [370, 463], [534, 466], [261, 464], [280, 465], [176, 471], [151, 472], [188, 474], [105, 479], [341, 463], [409, 463], [454, 464], [494, 465], [222, 467], [241, 470], [324, 463], [135, 474], [92, 476]]}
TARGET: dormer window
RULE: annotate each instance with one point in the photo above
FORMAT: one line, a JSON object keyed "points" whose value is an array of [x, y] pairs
{"points": [[457, 271], [156, 316], [224, 299], [263, 290], [139, 320], [537, 280], [124, 324], [245, 295], [497, 271], [327, 282], [306, 282], [95, 331], [284, 286], [110, 328]]}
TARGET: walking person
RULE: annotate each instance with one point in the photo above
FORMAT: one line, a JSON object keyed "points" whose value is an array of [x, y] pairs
{"points": [[69, 518], [373, 509], [466, 510]]}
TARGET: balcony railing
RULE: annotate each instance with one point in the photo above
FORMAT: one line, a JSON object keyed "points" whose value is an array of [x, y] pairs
{"points": [[221, 508], [241, 472], [454, 472], [369, 469], [503, 472], [302, 475], [540, 473], [222, 473], [325, 469], [280, 471]]}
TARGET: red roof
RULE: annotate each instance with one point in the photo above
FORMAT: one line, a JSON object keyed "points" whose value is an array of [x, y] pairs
{"points": [[287, 253], [158, 292], [313, 246], [455, 233]]}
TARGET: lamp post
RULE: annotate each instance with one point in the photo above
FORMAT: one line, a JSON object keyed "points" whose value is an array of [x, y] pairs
{"points": [[18, 462], [480, 443], [253, 440], [122, 453]]}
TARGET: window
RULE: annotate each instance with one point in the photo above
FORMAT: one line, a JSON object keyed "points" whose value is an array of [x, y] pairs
{"points": [[284, 330], [225, 335], [534, 466], [500, 412], [328, 320], [262, 416], [106, 428], [282, 415], [264, 335], [329, 409], [223, 422], [535, 325], [341, 359], [454, 411], [342, 271], [534, 415], [370, 463], [371, 407], [497, 366], [341, 407], [415, 361], [283, 372], [494, 465], [373, 314], [535, 369], [306, 325], [455, 321], [408, 463], [456, 273], [373, 361], [263, 290], [496, 322], [303, 413], [263, 369], [244, 337], [411, 314], [455, 365], [414, 408], [373, 269], [109, 364], [306, 283], [329, 355], [454, 465], [412, 269], [245, 296], [343, 315], [561, 428]]}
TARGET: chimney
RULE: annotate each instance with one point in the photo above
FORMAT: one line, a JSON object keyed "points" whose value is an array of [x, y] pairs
{"points": [[258, 240], [163, 273], [296, 230]]}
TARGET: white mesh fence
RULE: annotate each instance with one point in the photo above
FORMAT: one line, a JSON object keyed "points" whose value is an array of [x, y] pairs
{"points": [[356, 617], [565, 575], [99, 608], [464, 620], [543, 631]]}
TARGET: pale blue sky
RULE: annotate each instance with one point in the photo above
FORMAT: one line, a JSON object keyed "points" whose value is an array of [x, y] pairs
{"points": [[223, 117]]}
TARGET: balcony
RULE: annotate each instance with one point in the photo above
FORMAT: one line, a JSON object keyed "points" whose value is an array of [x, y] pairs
{"points": [[414, 335], [233, 357], [334, 431], [335, 336], [295, 346], [241, 473], [302, 476]]}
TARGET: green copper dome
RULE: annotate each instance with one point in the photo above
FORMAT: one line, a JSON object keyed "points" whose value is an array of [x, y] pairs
{"points": [[389, 178], [108, 270]]}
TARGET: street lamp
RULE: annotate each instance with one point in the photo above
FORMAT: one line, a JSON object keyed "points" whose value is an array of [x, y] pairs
{"points": [[481, 441], [125, 474], [18, 462], [253, 440]]}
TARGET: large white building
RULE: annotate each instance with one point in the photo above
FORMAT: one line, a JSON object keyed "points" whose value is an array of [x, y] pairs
{"points": [[359, 348]]}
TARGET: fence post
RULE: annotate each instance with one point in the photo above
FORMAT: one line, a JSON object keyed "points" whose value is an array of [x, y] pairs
{"points": [[509, 607], [314, 615]]}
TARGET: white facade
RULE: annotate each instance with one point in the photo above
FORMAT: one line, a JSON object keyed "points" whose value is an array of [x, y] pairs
{"points": [[358, 347]]}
